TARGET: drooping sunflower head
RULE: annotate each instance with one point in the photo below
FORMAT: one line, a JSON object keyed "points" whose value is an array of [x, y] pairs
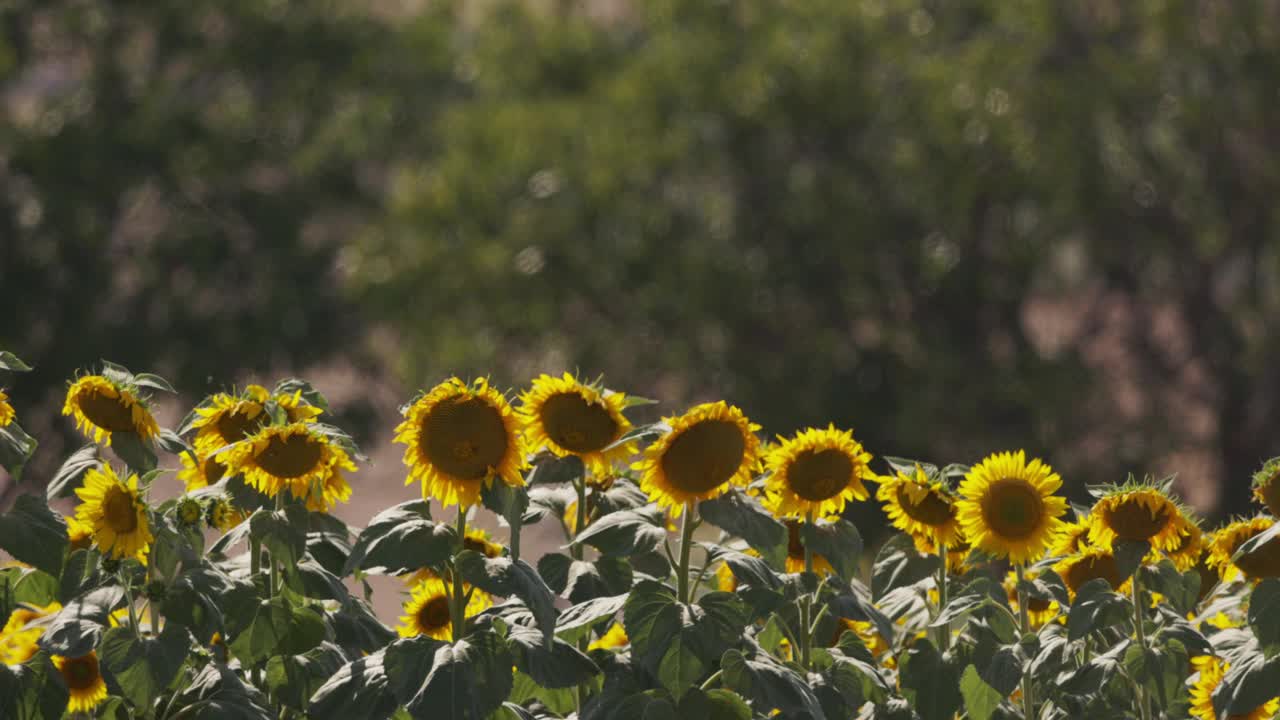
{"points": [[427, 612], [1190, 548], [569, 417], [223, 516], [116, 512], [1039, 610], [708, 448], [1090, 564], [1212, 670], [816, 472], [103, 406], [459, 437], [1007, 507], [1138, 512], [20, 633], [1228, 539], [296, 456], [84, 682], [920, 506], [795, 553], [614, 639], [1073, 538], [957, 554], [1266, 485], [6, 410], [227, 418], [196, 475]]}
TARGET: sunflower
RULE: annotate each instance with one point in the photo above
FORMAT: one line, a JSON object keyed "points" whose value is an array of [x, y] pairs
{"points": [[334, 490], [479, 540], [1266, 489], [1190, 549], [428, 612], [615, 638], [569, 417], [20, 633], [726, 581], [1138, 513], [293, 456], [1039, 610], [1212, 670], [223, 516], [795, 553], [84, 681], [116, 512], [460, 437], [225, 419], [189, 511], [957, 554], [195, 475], [1073, 538], [875, 643], [6, 410], [101, 407], [79, 534], [1228, 539], [1008, 507], [1090, 564], [709, 447], [816, 473], [920, 506]]}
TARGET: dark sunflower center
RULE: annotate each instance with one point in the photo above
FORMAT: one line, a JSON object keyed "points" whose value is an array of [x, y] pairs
{"points": [[577, 425], [795, 547], [435, 613], [480, 546], [1092, 568], [704, 456], [464, 438], [821, 475], [213, 471], [1035, 604], [1012, 508], [80, 673], [1263, 562], [1131, 520], [289, 457], [235, 426], [932, 510], [106, 412], [1208, 579], [118, 511]]}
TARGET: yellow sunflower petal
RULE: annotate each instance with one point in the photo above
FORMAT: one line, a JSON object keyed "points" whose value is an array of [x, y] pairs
{"points": [[920, 507], [115, 512], [1008, 508], [817, 472], [708, 448], [569, 417], [101, 407], [84, 682]]}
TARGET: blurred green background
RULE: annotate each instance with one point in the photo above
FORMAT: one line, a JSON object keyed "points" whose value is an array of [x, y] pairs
{"points": [[955, 227]]}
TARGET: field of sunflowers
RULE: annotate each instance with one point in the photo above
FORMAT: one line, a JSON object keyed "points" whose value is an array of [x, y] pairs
{"points": [[706, 571]]}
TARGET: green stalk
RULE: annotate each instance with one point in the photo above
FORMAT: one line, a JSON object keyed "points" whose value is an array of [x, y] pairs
{"points": [[806, 605], [944, 639], [1140, 695], [581, 691], [459, 599], [687, 525], [128, 596], [1028, 702]]}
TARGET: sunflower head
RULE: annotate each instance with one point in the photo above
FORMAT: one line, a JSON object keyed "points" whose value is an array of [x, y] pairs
{"points": [[6, 410], [708, 448], [479, 541], [1090, 564], [20, 633], [189, 511], [223, 516], [1137, 512], [568, 417], [1228, 539], [83, 679], [1212, 670], [1266, 485], [870, 636], [795, 553], [79, 534], [920, 505], [1007, 507], [1073, 538], [1039, 610], [1191, 547], [297, 456], [116, 512], [614, 639], [427, 612], [459, 437], [957, 554], [817, 472], [196, 475], [102, 406], [227, 418]]}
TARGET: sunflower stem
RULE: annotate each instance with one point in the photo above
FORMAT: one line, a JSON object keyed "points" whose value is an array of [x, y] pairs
{"points": [[133, 612], [944, 632], [581, 486], [806, 604], [459, 598], [1028, 702], [1136, 593], [686, 542]]}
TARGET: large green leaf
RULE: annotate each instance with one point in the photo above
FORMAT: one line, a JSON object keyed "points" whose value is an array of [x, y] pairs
{"points": [[577, 621], [1095, 608], [836, 540], [16, 447], [281, 533], [78, 626], [70, 475], [34, 534], [217, 693], [1264, 615], [358, 689], [626, 532], [507, 577], [769, 685], [654, 620], [34, 689], [554, 664], [293, 679], [279, 627], [899, 564], [743, 516], [468, 680], [144, 667], [980, 699], [929, 682], [400, 539]]}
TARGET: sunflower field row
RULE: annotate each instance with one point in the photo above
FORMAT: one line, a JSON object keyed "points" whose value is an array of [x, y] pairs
{"points": [[706, 571]]}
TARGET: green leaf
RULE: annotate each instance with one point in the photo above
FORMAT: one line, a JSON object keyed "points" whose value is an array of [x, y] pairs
{"points": [[154, 382], [401, 539], [308, 578], [281, 532], [899, 564], [358, 689], [1250, 682], [1264, 615], [1129, 556], [930, 683], [749, 570], [34, 534], [552, 470], [34, 689], [769, 685], [626, 532], [78, 626], [16, 447], [138, 454], [1159, 669], [172, 443], [577, 621], [1180, 590], [679, 668], [293, 679], [278, 627], [468, 680], [217, 693], [523, 690], [552, 665], [836, 540], [11, 362], [144, 667], [503, 576], [980, 699], [357, 630], [71, 474], [743, 516], [1095, 608], [716, 704], [507, 501]]}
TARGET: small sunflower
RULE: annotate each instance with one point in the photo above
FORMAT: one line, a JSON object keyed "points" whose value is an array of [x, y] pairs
{"points": [[20, 633], [1039, 610], [6, 410], [615, 638], [1228, 539], [1190, 549], [195, 476], [1139, 513], [1212, 670], [83, 679], [116, 512], [189, 511], [1073, 538], [79, 534], [101, 407], [920, 506], [225, 419], [726, 581], [293, 456], [427, 611], [569, 417], [460, 437], [1266, 484], [795, 553], [1008, 508], [223, 515], [817, 472], [708, 448], [1090, 564], [957, 554]]}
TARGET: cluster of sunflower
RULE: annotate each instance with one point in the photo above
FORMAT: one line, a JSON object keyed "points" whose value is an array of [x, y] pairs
{"points": [[996, 600]]}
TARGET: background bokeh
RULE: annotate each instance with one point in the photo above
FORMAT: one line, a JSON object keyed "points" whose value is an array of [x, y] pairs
{"points": [[955, 227]]}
